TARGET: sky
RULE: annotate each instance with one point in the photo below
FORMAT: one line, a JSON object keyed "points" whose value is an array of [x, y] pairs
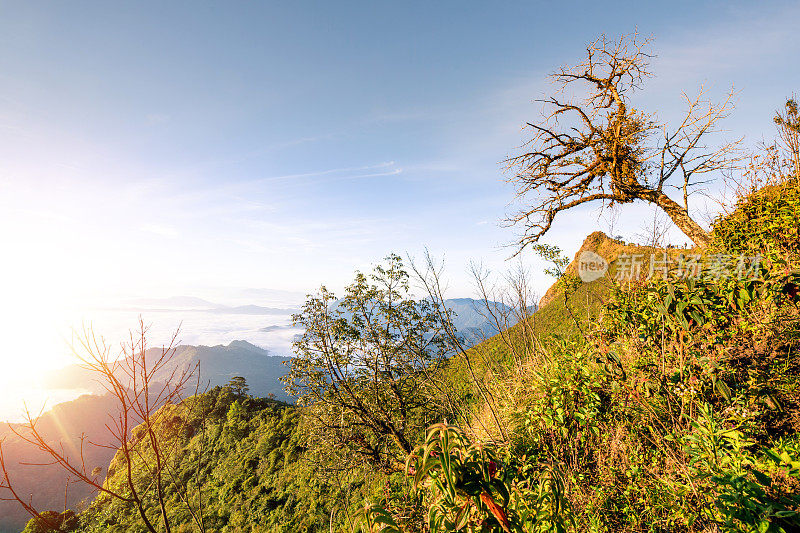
{"points": [[156, 149]]}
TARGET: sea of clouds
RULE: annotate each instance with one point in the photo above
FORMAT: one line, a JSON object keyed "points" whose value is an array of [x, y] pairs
{"points": [[267, 323]]}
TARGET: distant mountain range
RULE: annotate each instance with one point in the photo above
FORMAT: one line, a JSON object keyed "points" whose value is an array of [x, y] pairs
{"points": [[270, 329], [218, 364], [472, 319], [173, 302], [252, 310], [191, 303]]}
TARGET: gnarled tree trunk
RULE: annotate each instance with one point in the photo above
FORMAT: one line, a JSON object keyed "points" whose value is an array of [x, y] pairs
{"points": [[680, 217]]}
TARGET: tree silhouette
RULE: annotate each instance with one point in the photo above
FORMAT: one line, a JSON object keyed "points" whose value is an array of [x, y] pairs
{"points": [[238, 386]]}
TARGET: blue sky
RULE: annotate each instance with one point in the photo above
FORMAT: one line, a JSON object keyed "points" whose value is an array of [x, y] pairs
{"points": [[155, 149]]}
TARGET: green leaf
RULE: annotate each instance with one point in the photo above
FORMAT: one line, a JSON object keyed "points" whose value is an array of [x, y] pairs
{"points": [[762, 478], [723, 389]]}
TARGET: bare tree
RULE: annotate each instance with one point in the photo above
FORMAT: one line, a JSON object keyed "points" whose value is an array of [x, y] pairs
{"points": [[141, 383], [610, 219], [429, 277], [508, 304], [600, 148], [772, 163], [654, 230], [788, 125]]}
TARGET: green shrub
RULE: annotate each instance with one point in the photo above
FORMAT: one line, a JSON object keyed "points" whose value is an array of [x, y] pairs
{"points": [[743, 487], [767, 223], [476, 487]]}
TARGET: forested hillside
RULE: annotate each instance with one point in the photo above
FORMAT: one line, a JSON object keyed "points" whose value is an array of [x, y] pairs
{"points": [[246, 459], [672, 404]]}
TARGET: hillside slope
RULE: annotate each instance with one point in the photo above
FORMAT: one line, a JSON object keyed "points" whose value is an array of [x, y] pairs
{"points": [[65, 423], [247, 458], [674, 407]]}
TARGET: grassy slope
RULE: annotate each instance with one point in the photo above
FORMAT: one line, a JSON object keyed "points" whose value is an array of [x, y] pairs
{"points": [[641, 462], [552, 318]]}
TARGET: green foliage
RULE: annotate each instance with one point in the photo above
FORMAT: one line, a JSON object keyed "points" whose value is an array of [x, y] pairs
{"points": [[364, 362], [791, 118], [562, 409], [66, 521], [552, 254], [765, 223], [726, 336], [689, 306], [567, 282], [247, 460], [734, 477], [238, 385], [788, 125], [374, 519], [479, 487]]}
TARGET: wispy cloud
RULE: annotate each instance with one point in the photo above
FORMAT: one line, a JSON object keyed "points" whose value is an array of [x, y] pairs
{"points": [[392, 172], [333, 173], [244, 196], [751, 37], [161, 230]]}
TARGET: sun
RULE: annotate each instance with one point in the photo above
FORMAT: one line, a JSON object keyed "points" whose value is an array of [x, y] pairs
{"points": [[33, 327], [35, 342]]}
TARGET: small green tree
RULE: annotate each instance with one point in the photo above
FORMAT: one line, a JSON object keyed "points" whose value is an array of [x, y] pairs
{"points": [[238, 385], [364, 364]]}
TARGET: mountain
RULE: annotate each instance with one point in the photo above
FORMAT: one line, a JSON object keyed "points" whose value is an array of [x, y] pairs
{"points": [[192, 303], [218, 364], [473, 320], [269, 329], [273, 297], [65, 423], [256, 474]]}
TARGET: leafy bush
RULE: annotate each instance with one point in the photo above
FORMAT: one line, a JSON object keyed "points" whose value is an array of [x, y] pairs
{"points": [[765, 223], [743, 487], [476, 487]]}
